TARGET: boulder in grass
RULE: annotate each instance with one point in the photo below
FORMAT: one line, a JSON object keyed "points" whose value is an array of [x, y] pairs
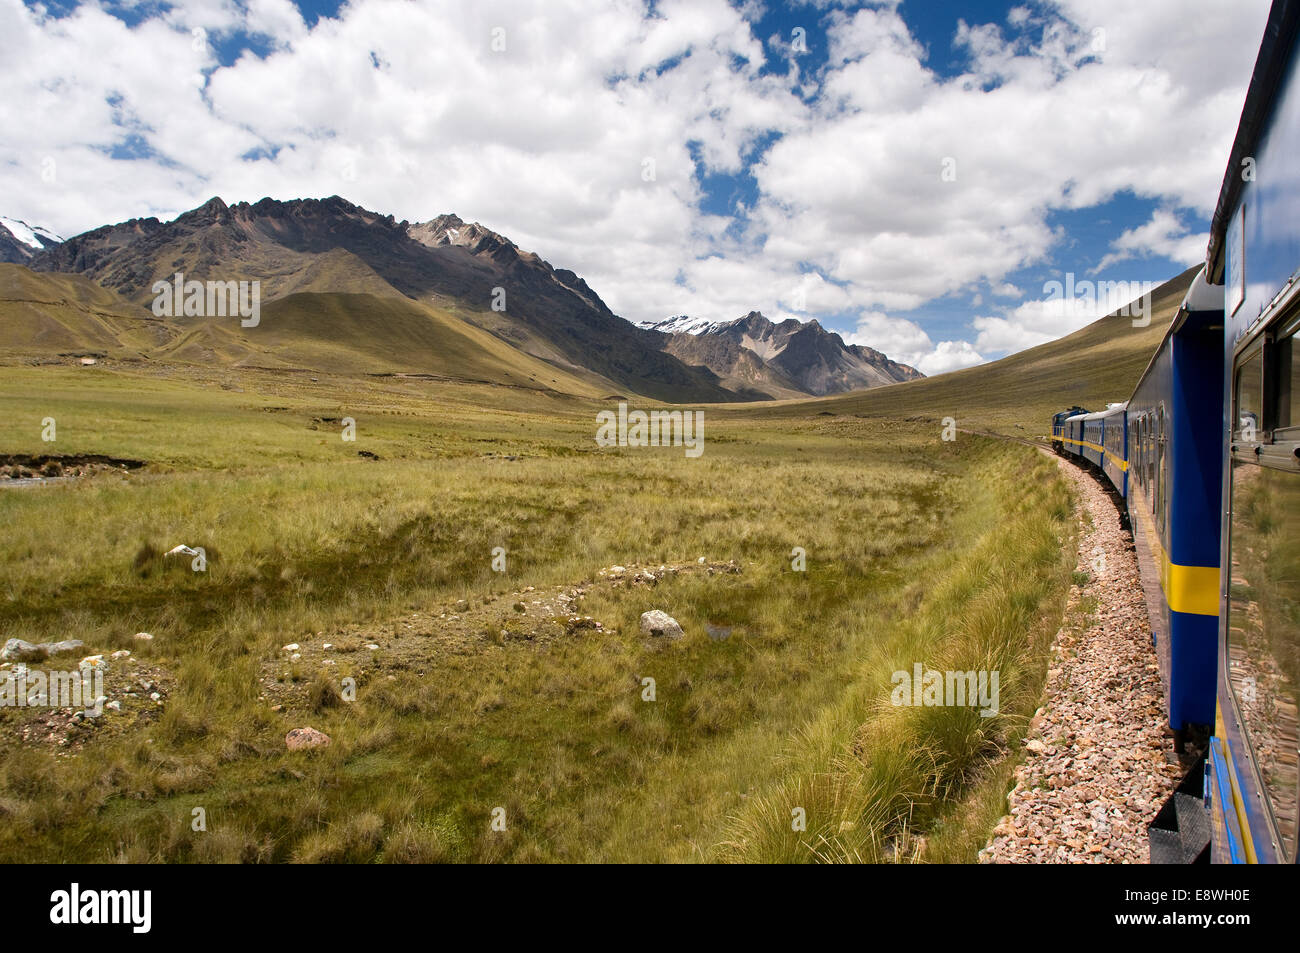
{"points": [[300, 739], [658, 623], [17, 650], [64, 647]]}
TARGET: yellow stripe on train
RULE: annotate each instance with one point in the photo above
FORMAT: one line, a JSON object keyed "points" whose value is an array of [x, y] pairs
{"points": [[1122, 464], [1190, 589]]}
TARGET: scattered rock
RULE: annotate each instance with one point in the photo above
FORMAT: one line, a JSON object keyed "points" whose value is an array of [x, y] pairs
{"points": [[656, 622], [300, 739], [64, 647], [17, 650]]}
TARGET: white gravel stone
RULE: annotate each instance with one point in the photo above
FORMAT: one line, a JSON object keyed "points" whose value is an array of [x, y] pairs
{"points": [[1099, 765]]}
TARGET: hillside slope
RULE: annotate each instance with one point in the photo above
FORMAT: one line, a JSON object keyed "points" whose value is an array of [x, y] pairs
{"points": [[1017, 395], [57, 317], [358, 334], [332, 246], [47, 316]]}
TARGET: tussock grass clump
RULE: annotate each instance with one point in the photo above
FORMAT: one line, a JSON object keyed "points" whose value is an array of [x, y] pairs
{"points": [[872, 791]]}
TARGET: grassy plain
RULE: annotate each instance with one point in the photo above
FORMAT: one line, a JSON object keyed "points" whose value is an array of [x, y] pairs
{"points": [[951, 554]]}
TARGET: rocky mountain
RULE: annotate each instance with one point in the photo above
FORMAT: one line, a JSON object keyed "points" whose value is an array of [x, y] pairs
{"points": [[462, 272], [330, 246], [789, 359], [20, 242]]}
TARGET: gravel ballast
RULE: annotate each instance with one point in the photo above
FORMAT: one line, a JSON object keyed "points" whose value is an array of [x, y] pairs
{"points": [[1099, 758]]}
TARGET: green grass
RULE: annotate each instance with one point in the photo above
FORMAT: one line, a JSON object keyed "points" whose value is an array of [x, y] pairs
{"points": [[918, 550]]}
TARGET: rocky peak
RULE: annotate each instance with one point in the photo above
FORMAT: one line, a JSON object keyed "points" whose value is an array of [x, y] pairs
{"points": [[212, 212]]}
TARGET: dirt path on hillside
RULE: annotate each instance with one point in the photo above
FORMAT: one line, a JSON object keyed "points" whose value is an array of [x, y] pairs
{"points": [[1099, 757]]}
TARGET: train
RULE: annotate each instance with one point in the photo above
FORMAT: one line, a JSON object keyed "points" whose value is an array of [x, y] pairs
{"points": [[1204, 456]]}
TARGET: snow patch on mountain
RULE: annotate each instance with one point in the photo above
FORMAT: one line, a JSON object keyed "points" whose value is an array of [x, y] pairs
{"points": [[684, 324], [31, 235]]}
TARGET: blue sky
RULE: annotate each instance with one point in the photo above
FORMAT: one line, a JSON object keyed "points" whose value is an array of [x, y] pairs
{"points": [[803, 179]]}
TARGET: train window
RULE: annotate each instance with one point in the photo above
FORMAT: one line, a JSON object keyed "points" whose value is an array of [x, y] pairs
{"points": [[1263, 626], [1151, 466], [1145, 453], [1247, 418], [1162, 468], [1288, 385]]}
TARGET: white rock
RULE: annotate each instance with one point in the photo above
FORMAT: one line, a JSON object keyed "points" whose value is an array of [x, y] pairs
{"points": [[659, 623], [291, 647], [142, 637], [18, 650]]}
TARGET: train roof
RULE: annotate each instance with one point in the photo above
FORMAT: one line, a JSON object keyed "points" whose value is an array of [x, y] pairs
{"points": [[1108, 412], [1201, 297], [1271, 65]]}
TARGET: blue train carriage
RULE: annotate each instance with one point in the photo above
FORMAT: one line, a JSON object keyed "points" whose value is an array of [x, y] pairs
{"points": [[1175, 451], [1090, 445], [1251, 773], [1074, 434], [1175, 456], [1114, 442]]}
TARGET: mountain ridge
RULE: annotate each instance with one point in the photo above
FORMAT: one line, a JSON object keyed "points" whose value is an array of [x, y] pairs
{"points": [[475, 274], [784, 358]]}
